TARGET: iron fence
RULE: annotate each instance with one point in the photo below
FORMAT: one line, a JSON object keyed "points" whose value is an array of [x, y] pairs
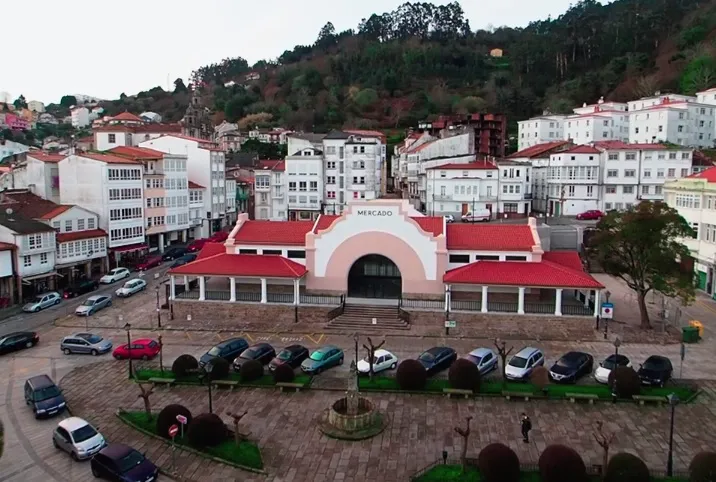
{"points": [[321, 300], [188, 295], [423, 304], [577, 310], [279, 298], [217, 295], [248, 296], [466, 305], [502, 306], [541, 308]]}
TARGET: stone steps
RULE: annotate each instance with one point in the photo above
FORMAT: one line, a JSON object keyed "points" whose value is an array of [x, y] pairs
{"points": [[361, 317]]}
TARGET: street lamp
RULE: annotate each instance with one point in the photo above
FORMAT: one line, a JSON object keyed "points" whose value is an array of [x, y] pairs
{"points": [[159, 312], [673, 401], [617, 344], [355, 340], [128, 327]]}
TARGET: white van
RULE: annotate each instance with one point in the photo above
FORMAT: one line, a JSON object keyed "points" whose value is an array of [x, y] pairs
{"points": [[478, 216]]}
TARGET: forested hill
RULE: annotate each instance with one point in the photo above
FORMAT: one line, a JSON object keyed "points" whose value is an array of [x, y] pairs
{"points": [[422, 60]]}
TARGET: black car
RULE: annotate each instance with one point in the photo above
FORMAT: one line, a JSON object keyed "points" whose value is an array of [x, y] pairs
{"points": [[571, 366], [656, 370], [43, 396], [291, 355], [227, 349], [437, 358], [79, 288], [187, 258], [122, 462], [174, 252], [262, 352], [17, 341]]}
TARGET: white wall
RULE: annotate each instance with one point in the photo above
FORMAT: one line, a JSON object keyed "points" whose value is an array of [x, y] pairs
{"points": [[5, 263], [103, 143]]}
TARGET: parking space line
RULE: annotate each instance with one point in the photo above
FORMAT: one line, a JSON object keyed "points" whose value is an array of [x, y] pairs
{"points": [[320, 337], [248, 335], [188, 336]]}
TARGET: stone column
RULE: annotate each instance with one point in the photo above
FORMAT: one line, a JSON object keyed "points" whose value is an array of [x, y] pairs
{"points": [[558, 302], [173, 287], [447, 299], [263, 291], [186, 283], [296, 292], [232, 282], [597, 308], [202, 288], [161, 242], [483, 302], [521, 301], [183, 235], [586, 298]]}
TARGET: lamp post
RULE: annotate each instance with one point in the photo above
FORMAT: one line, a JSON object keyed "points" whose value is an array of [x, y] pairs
{"points": [[617, 344], [673, 401], [127, 328], [355, 340], [159, 312]]}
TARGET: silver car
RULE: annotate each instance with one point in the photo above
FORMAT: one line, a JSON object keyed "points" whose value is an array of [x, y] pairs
{"points": [[42, 301], [78, 438], [93, 304], [523, 362], [88, 343], [131, 287], [484, 358]]}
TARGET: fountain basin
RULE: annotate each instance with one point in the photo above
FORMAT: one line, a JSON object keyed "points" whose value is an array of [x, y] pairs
{"points": [[352, 420]]}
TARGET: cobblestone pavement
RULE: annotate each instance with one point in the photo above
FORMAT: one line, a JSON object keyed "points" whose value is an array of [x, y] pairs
{"points": [[421, 427]]}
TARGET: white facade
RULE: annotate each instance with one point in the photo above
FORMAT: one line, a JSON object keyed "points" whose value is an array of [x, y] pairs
{"points": [[166, 197], [573, 181], [230, 200], [39, 173], [679, 120], [270, 187], [304, 184], [35, 253], [537, 130], [78, 223], [196, 210], [514, 194], [10, 148], [600, 125], [456, 189], [36, 106], [80, 117]]}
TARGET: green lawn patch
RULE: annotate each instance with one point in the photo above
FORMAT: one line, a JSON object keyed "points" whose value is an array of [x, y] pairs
{"points": [[247, 454], [454, 473], [144, 374]]}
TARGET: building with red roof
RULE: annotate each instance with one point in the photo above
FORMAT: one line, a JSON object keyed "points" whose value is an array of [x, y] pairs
{"points": [[385, 249]]}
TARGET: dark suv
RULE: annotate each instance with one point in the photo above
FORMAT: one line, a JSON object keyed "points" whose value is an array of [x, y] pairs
{"points": [[174, 252], [227, 349], [43, 396], [80, 287]]}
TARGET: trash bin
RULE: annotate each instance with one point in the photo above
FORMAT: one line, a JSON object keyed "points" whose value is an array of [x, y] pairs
{"points": [[690, 334], [698, 325]]}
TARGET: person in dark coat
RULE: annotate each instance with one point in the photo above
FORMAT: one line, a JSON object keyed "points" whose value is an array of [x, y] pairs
{"points": [[526, 426]]}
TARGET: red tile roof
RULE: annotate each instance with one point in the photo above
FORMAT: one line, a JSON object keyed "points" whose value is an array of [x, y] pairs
{"points": [[570, 259], [258, 265], [619, 145], [57, 211], [464, 167], [193, 185], [127, 116], [582, 150], [107, 159], [75, 235], [490, 237], [430, 224], [137, 153], [324, 222], [211, 249], [539, 150], [272, 165], [708, 174], [45, 157], [281, 233], [7, 247], [31, 205], [521, 273]]}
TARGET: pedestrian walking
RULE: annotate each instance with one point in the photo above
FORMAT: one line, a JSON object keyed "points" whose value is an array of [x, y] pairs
{"points": [[526, 426]]}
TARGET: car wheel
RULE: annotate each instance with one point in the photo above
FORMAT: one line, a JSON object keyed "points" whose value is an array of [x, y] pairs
{"points": [[54, 442], [117, 357], [74, 457], [28, 344], [67, 351], [94, 352], [145, 357], [57, 302], [393, 366], [95, 472], [340, 362], [36, 309], [109, 304]]}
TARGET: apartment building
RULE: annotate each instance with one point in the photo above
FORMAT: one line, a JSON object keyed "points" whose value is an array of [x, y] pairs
{"points": [[677, 119], [206, 166], [38, 172], [127, 129], [80, 117], [112, 187], [514, 193], [196, 209], [573, 181], [541, 129], [489, 131], [270, 191], [456, 189], [602, 121], [304, 188], [230, 184], [166, 194]]}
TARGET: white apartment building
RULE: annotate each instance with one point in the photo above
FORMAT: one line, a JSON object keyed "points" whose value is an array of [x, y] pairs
{"points": [[677, 119], [206, 166], [538, 158], [514, 194], [39, 173], [196, 209], [304, 185], [456, 189], [602, 121], [573, 181], [230, 184], [270, 191], [36, 106], [112, 187], [80, 117], [10, 148], [541, 129]]}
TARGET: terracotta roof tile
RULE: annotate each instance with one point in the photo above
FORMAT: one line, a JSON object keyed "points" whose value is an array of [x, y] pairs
{"points": [[430, 224], [137, 153], [582, 150], [570, 259], [107, 158], [45, 157], [127, 116], [324, 222], [708, 174], [538, 150], [31, 205], [268, 266], [272, 165], [211, 249], [464, 167], [489, 237], [521, 273], [283, 233], [75, 235], [193, 185]]}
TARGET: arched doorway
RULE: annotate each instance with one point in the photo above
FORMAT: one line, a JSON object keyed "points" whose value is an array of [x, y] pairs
{"points": [[374, 276]]}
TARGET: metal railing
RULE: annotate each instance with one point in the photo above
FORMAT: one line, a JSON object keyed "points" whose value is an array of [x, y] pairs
{"points": [[255, 297], [541, 308], [336, 312], [502, 306], [279, 298], [577, 310], [466, 305], [321, 300], [422, 304]]}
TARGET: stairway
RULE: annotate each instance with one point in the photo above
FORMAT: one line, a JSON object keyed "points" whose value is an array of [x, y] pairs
{"points": [[359, 316]]}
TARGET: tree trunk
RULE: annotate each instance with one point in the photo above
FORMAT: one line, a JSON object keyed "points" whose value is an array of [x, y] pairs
{"points": [[605, 462], [463, 456], [147, 407], [645, 323], [237, 435]]}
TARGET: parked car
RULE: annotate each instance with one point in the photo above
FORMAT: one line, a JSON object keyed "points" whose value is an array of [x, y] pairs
{"points": [[42, 301], [523, 362], [323, 358], [218, 237], [187, 258], [227, 349], [78, 438], [292, 355], [383, 360], [43, 396], [93, 304], [80, 288], [656, 370], [122, 462], [142, 349], [150, 262], [196, 245], [480, 215], [592, 214], [262, 352], [601, 374], [17, 341], [130, 287], [87, 343], [437, 358], [174, 252], [114, 275], [449, 218], [571, 366], [484, 358]]}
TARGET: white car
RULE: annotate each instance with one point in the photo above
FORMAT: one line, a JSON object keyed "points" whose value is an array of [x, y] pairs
{"points": [[78, 438], [480, 215], [449, 218], [383, 360], [131, 287], [601, 374], [115, 275]]}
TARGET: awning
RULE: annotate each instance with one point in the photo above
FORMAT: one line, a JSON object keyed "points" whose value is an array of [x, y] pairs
{"points": [[129, 248], [243, 265], [39, 276]]}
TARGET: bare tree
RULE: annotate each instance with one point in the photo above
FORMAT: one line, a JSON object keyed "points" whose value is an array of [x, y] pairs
{"points": [[238, 436], [645, 86], [465, 434], [503, 353], [604, 439], [371, 348], [146, 393]]}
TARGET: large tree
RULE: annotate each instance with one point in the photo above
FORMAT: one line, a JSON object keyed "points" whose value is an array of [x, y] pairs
{"points": [[20, 102], [643, 247]]}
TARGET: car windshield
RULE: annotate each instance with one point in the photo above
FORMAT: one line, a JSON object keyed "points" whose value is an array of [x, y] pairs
{"points": [[114, 271], [46, 393], [129, 461], [83, 433], [284, 355], [474, 359], [214, 351], [88, 303], [653, 365], [249, 354], [317, 356], [609, 364], [427, 356], [92, 338], [518, 361], [565, 362], [367, 360]]}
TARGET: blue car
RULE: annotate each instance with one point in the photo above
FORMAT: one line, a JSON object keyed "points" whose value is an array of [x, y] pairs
{"points": [[122, 462], [325, 357], [437, 358]]}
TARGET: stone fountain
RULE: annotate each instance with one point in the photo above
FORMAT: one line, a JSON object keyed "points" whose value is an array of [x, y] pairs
{"points": [[352, 417]]}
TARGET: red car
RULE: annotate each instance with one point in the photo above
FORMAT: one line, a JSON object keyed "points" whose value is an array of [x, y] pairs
{"points": [[143, 349], [590, 215], [219, 237], [196, 245], [149, 262]]}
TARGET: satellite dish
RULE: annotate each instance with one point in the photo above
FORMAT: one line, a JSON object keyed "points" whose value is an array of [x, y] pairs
{"points": [[8, 211]]}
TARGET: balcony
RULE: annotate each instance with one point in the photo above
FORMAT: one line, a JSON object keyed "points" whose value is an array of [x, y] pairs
{"points": [[308, 205], [442, 197], [278, 195]]}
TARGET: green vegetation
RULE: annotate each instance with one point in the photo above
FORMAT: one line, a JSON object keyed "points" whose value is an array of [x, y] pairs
{"points": [[144, 374], [246, 454]]}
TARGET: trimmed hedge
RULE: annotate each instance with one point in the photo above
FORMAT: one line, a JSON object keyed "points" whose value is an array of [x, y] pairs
{"points": [[559, 463], [625, 382], [206, 430], [168, 417], [411, 375], [184, 365], [464, 375], [251, 370], [219, 369], [284, 374], [499, 463], [625, 467]]}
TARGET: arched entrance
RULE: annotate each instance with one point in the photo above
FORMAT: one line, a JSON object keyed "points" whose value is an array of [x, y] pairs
{"points": [[374, 276]]}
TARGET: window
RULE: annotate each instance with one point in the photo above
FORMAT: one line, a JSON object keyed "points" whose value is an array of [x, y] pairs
{"points": [[262, 181], [590, 191], [56, 226], [331, 194], [647, 173], [571, 191], [671, 172], [645, 189], [613, 157], [331, 164], [515, 258], [292, 186], [672, 155], [459, 258], [482, 257], [659, 173], [607, 206], [657, 190], [612, 173], [314, 186], [688, 201], [80, 225], [684, 172], [629, 173], [68, 226], [611, 189], [628, 189], [355, 194], [43, 258], [510, 208], [27, 261], [302, 186], [112, 138], [630, 156], [331, 180], [296, 254]]}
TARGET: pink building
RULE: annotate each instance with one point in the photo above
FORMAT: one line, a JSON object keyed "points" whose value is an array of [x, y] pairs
{"points": [[16, 122]]}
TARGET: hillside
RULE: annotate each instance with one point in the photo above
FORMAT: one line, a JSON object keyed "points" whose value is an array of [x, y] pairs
{"points": [[421, 60]]}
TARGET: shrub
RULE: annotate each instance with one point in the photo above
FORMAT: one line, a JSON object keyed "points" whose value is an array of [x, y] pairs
{"points": [[624, 467], [251, 370], [559, 463], [218, 369], [464, 375], [206, 430], [540, 377], [624, 382], [168, 417], [283, 374], [411, 375], [703, 467], [183, 365], [499, 463]]}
